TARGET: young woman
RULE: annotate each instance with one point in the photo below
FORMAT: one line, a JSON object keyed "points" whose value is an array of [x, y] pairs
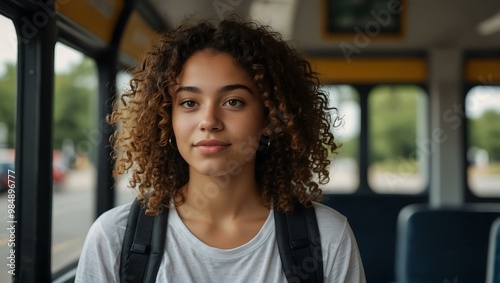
{"points": [[223, 124]]}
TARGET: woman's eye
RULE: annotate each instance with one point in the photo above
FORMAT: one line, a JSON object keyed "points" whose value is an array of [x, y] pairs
{"points": [[188, 104], [234, 102]]}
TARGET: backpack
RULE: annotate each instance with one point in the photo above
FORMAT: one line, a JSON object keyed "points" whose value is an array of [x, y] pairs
{"points": [[297, 235]]}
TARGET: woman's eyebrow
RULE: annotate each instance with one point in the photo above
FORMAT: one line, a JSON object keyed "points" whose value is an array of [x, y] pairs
{"points": [[223, 89], [192, 89], [233, 87]]}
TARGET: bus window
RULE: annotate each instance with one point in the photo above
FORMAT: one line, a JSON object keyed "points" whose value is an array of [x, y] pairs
{"points": [[397, 137], [76, 136], [8, 85], [124, 194], [483, 153], [344, 173]]}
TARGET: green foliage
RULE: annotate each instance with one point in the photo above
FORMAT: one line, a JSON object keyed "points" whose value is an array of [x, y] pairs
{"points": [[350, 148], [75, 102], [401, 166], [392, 122], [8, 102], [485, 133]]}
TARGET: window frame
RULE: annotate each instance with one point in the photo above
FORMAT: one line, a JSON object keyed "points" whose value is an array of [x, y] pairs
{"points": [[469, 195], [364, 189]]}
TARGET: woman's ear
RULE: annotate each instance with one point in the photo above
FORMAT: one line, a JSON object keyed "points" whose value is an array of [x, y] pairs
{"points": [[266, 131]]}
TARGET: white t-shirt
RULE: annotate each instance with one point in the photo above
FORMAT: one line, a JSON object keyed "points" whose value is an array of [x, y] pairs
{"points": [[187, 259]]}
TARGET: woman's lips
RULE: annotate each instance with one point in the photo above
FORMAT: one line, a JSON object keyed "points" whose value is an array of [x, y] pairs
{"points": [[211, 146]]}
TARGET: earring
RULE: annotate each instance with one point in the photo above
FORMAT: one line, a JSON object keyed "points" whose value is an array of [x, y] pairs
{"points": [[171, 143], [262, 143]]}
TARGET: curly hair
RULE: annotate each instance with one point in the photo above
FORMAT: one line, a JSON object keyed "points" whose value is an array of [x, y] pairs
{"points": [[297, 110]]}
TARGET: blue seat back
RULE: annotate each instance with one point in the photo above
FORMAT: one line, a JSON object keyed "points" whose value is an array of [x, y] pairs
{"points": [[494, 253], [447, 244]]}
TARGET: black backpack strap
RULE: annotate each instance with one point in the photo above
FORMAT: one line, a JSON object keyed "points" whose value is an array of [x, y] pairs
{"points": [[299, 244], [143, 245]]}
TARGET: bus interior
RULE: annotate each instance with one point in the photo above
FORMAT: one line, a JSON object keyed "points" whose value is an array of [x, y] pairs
{"points": [[416, 84]]}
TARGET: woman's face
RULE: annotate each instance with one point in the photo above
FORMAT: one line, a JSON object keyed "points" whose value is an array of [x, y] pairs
{"points": [[218, 115]]}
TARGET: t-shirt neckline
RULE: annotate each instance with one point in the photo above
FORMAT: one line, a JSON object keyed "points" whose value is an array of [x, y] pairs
{"points": [[200, 247]]}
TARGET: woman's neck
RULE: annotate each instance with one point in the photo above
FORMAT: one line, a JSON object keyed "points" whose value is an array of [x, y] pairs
{"points": [[215, 198]]}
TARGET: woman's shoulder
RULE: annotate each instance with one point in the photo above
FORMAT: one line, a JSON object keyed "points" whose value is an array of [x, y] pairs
{"points": [[112, 223], [329, 216], [115, 215], [332, 224], [100, 256], [341, 258]]}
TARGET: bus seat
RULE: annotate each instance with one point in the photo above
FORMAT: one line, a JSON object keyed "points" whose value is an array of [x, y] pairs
{"points": [[374, 222], [443, 244], [493, 274]]}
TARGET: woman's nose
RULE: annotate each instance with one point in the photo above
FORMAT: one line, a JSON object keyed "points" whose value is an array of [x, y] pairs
{"points": [[210, 120]]}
